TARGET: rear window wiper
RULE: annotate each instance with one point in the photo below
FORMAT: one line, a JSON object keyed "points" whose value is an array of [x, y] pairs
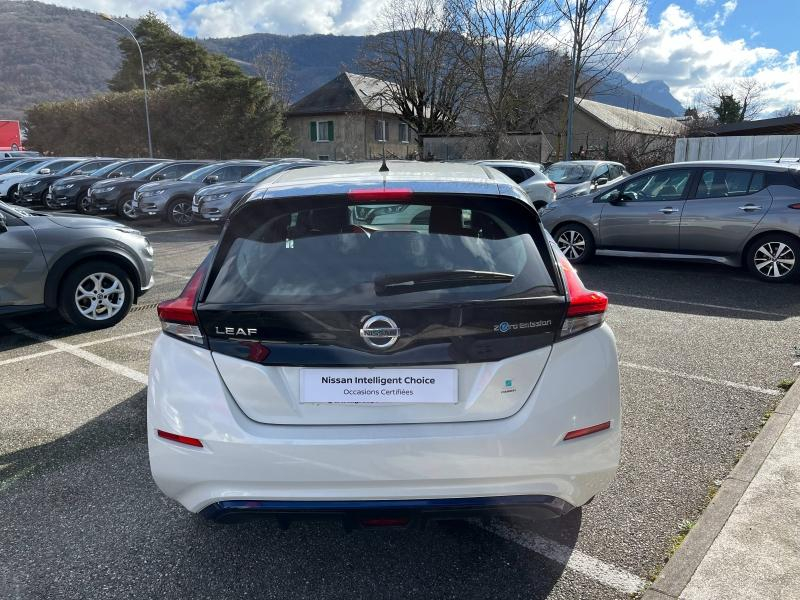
{"points": [[434, 280]]}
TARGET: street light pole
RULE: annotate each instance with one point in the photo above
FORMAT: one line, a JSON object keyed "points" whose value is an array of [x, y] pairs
{"points": [[144, 80], [571, 103]]}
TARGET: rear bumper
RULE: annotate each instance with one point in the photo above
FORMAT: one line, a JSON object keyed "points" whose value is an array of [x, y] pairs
{"points": [[416, 512], [522, 455]]}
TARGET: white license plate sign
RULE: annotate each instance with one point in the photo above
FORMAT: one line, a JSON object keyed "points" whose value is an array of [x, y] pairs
{"points": [[379, 386]]}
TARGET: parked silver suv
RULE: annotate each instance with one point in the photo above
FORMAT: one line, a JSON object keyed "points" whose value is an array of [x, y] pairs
{"points": [[90, 269], [730, 212]]}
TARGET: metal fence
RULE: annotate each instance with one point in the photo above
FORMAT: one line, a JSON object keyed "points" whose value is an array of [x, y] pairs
{"points": [[736, 147]]}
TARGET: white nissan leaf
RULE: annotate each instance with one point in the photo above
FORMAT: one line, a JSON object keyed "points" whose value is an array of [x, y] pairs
{"points": [[321, 365]]}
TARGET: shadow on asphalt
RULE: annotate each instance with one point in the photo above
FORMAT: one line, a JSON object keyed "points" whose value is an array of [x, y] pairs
{"points": [[86, 505], [694, 288]]}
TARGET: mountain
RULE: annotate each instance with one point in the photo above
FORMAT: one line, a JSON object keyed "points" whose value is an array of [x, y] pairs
{"points": [[316, 59], [651, 97], [54, 53]]}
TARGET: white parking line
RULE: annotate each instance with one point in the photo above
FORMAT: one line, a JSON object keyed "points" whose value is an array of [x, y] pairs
{"points": [[714, 306], [10, 361], [682, 375], [176, 275], [573, 559], [110, 365]]}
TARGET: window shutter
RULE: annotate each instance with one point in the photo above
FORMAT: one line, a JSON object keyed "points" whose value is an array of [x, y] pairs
{"points": [[313, 131], [330, 131]]}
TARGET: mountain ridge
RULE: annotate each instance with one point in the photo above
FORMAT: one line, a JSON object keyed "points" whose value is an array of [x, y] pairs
{"points": [[62, 53]]}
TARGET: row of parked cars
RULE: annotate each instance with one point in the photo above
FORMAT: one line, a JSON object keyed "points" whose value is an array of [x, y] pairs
{"points": [[182, 190], [175, 190]]}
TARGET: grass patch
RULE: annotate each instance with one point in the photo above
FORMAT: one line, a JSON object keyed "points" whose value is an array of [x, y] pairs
{"points": [[785, 384]]}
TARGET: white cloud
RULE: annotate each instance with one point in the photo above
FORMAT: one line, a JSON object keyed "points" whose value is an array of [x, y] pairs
{"points": [[677, 50], [225, 18], [704, 2], [721, 16]]}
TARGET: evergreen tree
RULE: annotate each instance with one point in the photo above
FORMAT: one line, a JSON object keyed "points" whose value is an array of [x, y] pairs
{"points": [[729, 109], [168, 57]]}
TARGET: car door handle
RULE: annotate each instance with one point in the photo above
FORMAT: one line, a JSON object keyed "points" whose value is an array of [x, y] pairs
{"points": [[749, 207], [668, 210]]}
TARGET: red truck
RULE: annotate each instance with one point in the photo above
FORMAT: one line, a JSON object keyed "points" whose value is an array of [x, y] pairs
{"points": [[10, 136]]}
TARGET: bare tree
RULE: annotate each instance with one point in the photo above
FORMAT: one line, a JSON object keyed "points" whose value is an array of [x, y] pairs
{"points": [[789, 111], [503, 39], [415, 56], [274, 67], [602, 34], [745, 97]]}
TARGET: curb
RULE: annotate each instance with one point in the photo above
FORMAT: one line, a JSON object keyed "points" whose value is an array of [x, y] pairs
{"points": [[676, 574]]}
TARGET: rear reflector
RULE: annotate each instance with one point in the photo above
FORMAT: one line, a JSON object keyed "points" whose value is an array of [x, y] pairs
{"points": [[795, 206], [178, 317], [587, 430], [586, 308], [380, 194], [181, 439]]}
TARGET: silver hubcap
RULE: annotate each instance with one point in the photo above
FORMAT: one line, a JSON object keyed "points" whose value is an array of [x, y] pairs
{"points": [[100, 296], [571, 243], [774, 259], [182, 213], [127, 210]]}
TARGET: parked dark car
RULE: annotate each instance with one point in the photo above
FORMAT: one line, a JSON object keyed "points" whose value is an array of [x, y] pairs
{"points": [[172, 200], [116, 195], [72, 192], [34, 189], [91, 270], [214, 202]]}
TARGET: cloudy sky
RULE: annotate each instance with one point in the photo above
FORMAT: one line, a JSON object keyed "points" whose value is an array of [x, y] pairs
{"points": [[687, 43]]}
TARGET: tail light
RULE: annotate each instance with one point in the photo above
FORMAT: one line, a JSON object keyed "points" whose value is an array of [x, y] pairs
{"points": [[379, 194], [552, 186], [178, 317], [795, 206], [586, 308]]}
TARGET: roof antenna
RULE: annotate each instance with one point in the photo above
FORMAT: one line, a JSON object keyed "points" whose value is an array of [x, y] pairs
{"points": [[384, 167], [785, 148]]}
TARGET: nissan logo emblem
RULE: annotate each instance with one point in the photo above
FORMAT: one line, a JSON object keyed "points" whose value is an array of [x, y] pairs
{"points": [[380, 332]]}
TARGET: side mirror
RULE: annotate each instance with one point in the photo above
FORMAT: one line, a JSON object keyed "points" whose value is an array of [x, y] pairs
{"points": [[44, 171], [211, 179], [114, 175], [3, 226], [601, 181], [157, 177]]}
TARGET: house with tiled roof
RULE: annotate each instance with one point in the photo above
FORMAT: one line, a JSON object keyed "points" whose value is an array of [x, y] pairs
{"points": [[349, 118]]}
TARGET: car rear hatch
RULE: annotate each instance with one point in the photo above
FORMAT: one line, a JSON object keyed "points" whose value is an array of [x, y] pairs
{"points": [[445, 312]]}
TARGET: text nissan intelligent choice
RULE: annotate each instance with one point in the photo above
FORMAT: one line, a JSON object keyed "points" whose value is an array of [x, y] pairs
{"points": [[318, 365]]}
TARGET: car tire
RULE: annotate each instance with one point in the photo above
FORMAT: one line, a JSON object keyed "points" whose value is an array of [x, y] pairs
{"points": [[125, 209], [95, 295], [11, 195], [179, 212], [84, 205], [774, 257], [576, 242]]}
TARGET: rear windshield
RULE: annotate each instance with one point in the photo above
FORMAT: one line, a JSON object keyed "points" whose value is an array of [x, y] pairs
{"points": [[569, 173], [330, 251]]}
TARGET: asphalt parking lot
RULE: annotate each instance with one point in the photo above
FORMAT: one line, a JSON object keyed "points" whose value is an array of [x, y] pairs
{"points": [[702, 349]]}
